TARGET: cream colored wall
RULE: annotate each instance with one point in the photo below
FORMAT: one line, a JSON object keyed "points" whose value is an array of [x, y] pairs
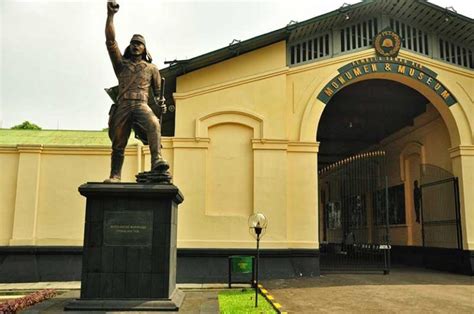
{"points": [[39, 199], [8, 182], [271, 174], [230, 171], [58, 190], [247, 65]]}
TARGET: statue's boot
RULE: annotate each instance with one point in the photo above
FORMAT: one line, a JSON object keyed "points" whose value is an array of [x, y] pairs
{"points": [[154, 142], [115, 168], [113, 180], [160, 165]]}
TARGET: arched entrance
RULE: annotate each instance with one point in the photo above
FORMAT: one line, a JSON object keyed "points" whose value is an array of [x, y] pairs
{"points": [[453, 115], [376, 136]]}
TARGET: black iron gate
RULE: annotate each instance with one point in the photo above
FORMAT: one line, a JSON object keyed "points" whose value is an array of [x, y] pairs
{"points": [[440, 208], [354, 231]]}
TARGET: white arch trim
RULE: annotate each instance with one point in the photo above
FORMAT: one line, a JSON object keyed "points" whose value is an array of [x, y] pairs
{"points": [[237, 116]]}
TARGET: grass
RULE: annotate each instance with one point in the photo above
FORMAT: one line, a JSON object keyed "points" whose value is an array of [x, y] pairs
{"points": [[243, 301]]}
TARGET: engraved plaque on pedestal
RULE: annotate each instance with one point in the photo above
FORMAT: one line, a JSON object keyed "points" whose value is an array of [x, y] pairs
{"points": [[128, 228]]}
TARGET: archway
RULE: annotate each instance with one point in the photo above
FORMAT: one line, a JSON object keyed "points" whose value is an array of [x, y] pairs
{"points": [[367, 116], [453, 116]]}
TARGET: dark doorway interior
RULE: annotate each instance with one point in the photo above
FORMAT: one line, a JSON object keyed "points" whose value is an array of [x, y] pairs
{"points": [[353, 192], [364, 113], [357, 207]]}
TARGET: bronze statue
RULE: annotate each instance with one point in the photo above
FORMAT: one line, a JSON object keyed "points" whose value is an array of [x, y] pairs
{"points": [[139, 83]]}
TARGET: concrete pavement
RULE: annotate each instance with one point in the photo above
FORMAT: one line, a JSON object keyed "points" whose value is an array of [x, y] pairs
{"points": [[404, 290]]}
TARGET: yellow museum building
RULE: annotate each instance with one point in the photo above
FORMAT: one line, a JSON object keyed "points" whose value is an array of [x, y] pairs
{"points": [[323, 125]]}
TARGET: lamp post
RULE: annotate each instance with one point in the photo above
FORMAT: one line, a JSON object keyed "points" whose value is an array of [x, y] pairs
{"points": [[257, 227]]}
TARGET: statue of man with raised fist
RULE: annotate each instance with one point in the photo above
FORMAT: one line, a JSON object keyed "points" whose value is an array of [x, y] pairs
{"points": [[139, 84]]}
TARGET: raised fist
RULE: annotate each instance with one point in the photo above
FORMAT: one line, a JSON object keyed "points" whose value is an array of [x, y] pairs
{"points": [[112, 7]]}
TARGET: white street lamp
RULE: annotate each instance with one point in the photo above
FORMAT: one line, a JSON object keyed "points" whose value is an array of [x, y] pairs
{"points": [[257, 227]]}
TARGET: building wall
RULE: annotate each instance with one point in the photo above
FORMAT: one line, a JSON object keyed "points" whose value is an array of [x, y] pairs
{"points": [[39, 199], [8, 182], [245, 66], [269, 172], [283, 101], [244, 142]]}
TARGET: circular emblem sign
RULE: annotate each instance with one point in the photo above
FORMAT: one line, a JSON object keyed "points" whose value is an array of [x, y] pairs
{"points": [[387, 43]]}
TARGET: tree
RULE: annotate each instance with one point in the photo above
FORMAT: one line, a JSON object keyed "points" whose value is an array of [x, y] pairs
{"points": [[27, 125]]}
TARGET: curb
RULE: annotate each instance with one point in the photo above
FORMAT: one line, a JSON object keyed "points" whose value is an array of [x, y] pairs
{"points": [[277, 306]]}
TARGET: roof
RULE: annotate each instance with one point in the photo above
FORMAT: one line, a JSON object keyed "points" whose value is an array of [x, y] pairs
{"points": [[432, 17], [442, 21], [56, 137]]}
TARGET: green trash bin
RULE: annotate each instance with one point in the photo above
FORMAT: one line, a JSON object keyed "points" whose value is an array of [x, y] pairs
{"points": [[241, 264]]}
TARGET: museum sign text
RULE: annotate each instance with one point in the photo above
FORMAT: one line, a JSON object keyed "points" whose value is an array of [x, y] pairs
{"points": [[410, 69]]}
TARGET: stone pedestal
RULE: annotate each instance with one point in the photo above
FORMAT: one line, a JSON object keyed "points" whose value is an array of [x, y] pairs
{"points": [[129, 259]]}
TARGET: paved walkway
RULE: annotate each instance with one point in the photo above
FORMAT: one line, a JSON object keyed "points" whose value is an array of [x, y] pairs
{"points": [[195, 301], [403, 291], [199, 298]]}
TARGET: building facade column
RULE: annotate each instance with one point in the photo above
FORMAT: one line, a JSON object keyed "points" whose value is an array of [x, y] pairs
{"points": [[463, 167], [27, 194], [270, 187], [303, 189]]}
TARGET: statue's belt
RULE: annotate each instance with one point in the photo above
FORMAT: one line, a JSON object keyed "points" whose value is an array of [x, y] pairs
{"points": [[134, 96]]}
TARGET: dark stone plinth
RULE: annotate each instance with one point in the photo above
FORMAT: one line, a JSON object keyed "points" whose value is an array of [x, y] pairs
{"points": [[129, 257]]}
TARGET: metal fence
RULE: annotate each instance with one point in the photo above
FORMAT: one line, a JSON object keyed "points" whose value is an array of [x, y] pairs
{"points": [[354, 214], [440, 208]]}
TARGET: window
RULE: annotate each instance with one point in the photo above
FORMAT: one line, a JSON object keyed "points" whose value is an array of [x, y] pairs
{"points": [[396, 205]]}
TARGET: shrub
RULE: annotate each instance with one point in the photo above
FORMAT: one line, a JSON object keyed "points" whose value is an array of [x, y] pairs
{"points": [[13, 306], [27, 125]]}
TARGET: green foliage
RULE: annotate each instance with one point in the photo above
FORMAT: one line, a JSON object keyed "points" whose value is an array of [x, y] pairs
{"points": [[243, 301], [27, 125]]}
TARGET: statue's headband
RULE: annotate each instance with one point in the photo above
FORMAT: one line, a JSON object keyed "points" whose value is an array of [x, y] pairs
{"points": [[138, 38]]}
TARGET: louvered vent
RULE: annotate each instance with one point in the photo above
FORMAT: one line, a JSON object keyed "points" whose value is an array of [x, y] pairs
{"points": [[358, 35], [309, 49], [453, 53], [413, 39]]}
